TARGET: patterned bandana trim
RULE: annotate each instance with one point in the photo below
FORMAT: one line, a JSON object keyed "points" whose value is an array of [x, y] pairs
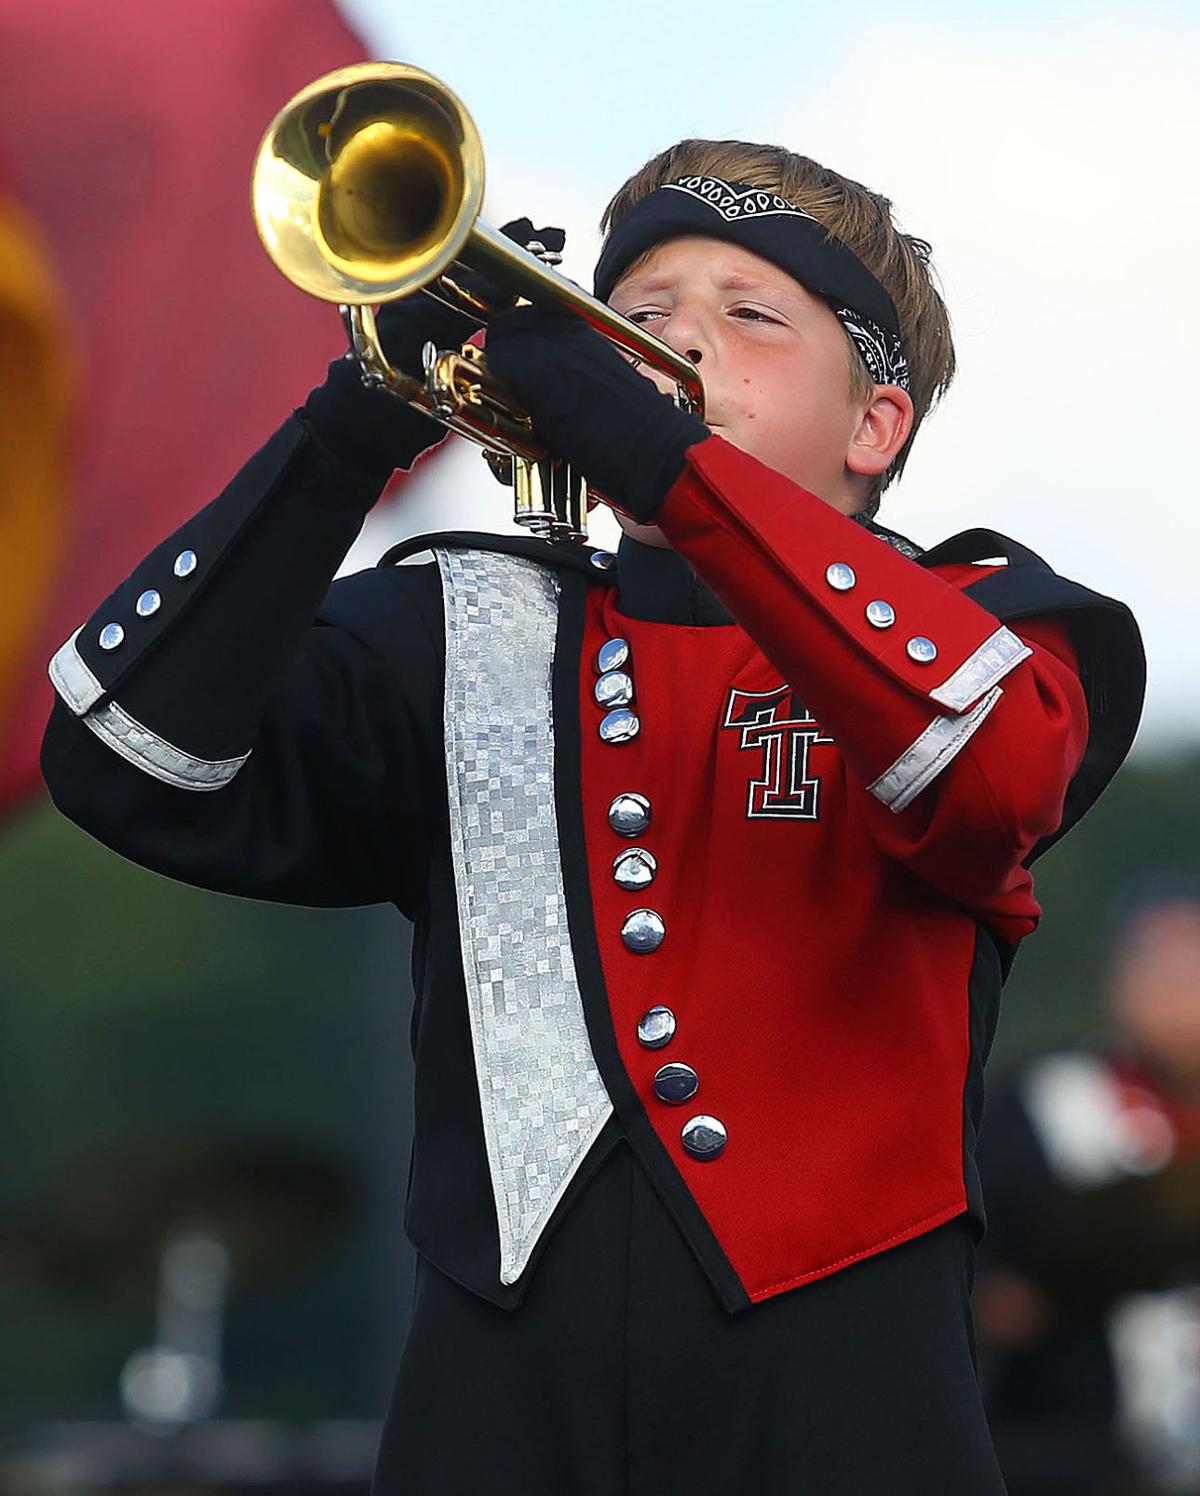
{"points": [[732, 201], [882, 351], [542, 1099]]}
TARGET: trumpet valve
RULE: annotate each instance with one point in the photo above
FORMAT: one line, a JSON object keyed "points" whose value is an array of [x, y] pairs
{"points": [[501, 464]]}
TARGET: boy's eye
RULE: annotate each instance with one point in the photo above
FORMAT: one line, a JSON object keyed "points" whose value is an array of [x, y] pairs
{"points": [[747, 313]]}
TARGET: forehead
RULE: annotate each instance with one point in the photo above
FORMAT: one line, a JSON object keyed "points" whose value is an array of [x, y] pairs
{"points": [[697, 258]]}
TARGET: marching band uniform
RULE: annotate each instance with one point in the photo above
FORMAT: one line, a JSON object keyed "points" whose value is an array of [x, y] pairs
{"points": [[829, 849], [711, 917]]}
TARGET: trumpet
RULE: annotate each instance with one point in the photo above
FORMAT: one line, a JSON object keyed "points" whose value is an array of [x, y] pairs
{"points": [[367, 187]]}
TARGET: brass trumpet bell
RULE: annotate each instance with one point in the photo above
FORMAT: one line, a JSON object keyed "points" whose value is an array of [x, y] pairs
{"points": [[368, 183]]}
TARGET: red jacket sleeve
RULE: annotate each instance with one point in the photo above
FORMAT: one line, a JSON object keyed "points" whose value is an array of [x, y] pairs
{"points": [[963, 732]]}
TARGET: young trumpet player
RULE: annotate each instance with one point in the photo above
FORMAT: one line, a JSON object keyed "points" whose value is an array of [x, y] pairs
{"points": [[717, 848]]}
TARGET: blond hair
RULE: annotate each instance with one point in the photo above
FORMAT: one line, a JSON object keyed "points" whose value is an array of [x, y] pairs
{"points": [[862, 221]]}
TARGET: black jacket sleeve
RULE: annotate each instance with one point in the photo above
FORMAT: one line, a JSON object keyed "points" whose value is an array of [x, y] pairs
{"points": [[229, 719]]}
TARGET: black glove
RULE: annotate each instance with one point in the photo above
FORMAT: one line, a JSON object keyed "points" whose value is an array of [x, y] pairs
{"points": [[592, 408], [365, 426]]}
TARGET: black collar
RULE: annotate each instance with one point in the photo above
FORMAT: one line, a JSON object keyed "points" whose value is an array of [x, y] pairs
{"points": [[659, 586]]}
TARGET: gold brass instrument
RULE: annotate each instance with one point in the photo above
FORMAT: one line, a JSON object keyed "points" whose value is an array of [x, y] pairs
{"points": [[367, 188]]}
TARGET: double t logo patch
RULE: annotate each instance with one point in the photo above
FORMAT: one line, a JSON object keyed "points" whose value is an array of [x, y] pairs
{"points": [[774, 724]]}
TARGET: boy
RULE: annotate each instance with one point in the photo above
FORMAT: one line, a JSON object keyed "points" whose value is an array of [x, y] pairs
{"points": [[716, 851]]}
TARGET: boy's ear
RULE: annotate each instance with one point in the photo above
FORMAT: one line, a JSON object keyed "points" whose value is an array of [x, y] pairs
{"points": [[881, 432]]}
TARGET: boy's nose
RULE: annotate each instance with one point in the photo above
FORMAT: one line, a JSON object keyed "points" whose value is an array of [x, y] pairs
{"points": [[689, 333], [689, 337], [688, 341]]}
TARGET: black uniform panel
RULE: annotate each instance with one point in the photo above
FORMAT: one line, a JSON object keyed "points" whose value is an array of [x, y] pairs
{"points": [[340, 796], [228, 718], [622, 1373]]}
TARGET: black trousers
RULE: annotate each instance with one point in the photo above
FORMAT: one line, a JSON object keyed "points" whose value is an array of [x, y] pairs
{"points": [[621, 1375]]}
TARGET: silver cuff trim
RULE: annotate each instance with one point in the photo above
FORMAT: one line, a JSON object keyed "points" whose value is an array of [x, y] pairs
{"points": [[73, 679], [990, 663], [542, 1100], [920, 765], [155, 756]]}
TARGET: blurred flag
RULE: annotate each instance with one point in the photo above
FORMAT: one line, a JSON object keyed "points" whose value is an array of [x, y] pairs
{"points": [[131, 274], [36, 367]]}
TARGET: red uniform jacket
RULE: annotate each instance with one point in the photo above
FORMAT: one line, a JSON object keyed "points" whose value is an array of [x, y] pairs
{"points": [[840, 790]]}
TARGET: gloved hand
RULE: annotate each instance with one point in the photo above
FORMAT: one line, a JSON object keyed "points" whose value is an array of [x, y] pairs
{"points": [[368, 428], [592, 408]]}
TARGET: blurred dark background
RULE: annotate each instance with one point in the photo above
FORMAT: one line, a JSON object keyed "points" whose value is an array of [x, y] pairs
{"points": [[172, 1058]]}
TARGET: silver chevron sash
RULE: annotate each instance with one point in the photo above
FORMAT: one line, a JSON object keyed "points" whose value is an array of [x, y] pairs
{"points": [[540, 1092]]}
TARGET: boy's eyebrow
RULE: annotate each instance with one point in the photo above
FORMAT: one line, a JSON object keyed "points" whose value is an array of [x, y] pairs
{"points": [[645, 282], [736, 281]]}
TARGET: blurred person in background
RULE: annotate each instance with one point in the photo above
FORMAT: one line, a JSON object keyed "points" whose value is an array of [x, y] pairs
{"points": [[1088, 1297]]}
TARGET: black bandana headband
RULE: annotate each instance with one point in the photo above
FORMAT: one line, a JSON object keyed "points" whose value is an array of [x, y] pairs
{"points": [[770, 226]]}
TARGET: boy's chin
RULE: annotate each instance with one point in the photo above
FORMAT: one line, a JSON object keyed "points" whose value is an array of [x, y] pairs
{"points": [[643, 534]]}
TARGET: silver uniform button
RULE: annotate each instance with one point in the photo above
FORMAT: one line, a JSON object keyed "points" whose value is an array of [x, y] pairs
{"points": [[840, 576], [611, 655], [185, 564], [603, 560], [112, 636], [676, 1083], [656, 1027], [880, 615], [614, 689], [643, 931], [634, 868], [621, 726], [704, 1137], [629, 814], [149, 602], [922, 650]]}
